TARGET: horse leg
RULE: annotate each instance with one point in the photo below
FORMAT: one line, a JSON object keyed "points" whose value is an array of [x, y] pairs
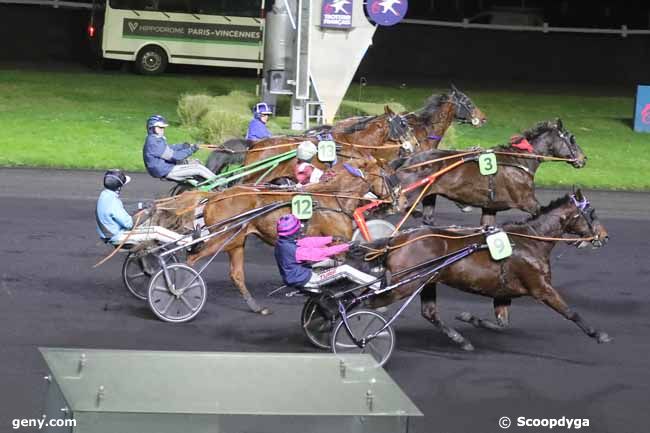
{"points": [[430, 312], [238, 278], [429, 210], [488, 217], [500, 313], [553, 299]]}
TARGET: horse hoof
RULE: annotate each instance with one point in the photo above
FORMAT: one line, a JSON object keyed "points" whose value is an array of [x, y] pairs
{"points": [[465, 317], [602, 337], [265, 311], [467, 347]]}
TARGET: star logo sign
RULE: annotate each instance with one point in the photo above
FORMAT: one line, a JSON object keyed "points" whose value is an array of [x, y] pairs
{"points": [[337, 7], [387, 6], [387, 12]]}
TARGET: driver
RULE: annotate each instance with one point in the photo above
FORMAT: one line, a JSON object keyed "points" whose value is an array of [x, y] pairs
{"points": [[295, 258], [114, 223], [257, 129], [165, 161]]}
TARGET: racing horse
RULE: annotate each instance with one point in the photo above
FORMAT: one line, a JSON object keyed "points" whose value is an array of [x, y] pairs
{"points": [[513, 184], [527, 272], [332, 214], [423, 128]]}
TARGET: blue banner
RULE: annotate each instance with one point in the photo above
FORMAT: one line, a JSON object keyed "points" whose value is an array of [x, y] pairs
{"points": [[336, 14], [642, 111]]}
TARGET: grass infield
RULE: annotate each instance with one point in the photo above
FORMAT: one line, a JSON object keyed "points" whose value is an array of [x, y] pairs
{"points": [[96, 121]]}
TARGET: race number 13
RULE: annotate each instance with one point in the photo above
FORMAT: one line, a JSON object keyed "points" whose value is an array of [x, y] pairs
{"points": [[301, 206], [499, 245], [327, 151], [487, 164]]}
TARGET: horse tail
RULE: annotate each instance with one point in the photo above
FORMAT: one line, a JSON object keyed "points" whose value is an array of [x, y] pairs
{"points": [[219, 159]]}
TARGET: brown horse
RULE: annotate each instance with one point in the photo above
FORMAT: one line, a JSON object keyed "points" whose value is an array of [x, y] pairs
{"points": [[388, 134], [512, 186], [527, 272], [332, 215]]}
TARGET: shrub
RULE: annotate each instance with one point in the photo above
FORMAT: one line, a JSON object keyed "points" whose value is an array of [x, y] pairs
{"points": [[214, 119]]}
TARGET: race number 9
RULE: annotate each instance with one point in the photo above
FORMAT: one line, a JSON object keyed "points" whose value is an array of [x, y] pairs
{"points": [[326, 151], [499, 245], [487, 164], [301, 206]]}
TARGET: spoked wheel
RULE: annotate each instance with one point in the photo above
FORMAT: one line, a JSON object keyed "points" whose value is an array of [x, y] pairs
{"points": [[181, 301], [180, 188], [316, 326], [363, 324], [138, 269]]}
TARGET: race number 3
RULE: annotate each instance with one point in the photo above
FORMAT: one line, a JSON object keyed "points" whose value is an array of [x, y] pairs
{"points": [[327, 151], [499, 245], [487, 164], [301, 206]]}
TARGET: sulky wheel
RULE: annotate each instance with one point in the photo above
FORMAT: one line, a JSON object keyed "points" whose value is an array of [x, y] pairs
{"points": [[180, 299], [377, 229], [364, 323], [138, 269], [316, 325]]}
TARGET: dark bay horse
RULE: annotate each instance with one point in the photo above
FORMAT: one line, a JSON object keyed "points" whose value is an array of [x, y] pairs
{"points": [[513, 186], [332, 215], [527, 272], [423, 129]]}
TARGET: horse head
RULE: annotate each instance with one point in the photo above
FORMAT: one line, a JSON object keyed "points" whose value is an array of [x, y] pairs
{"points": [[580, 219], [552, 139], [399, 130], [466, 110], [379, 184]]}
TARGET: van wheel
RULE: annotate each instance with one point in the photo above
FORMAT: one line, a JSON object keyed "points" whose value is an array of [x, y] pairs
{"points": [[151, 60]]}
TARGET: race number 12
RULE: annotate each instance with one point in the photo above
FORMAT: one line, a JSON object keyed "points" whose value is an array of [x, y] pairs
{"points": [[301, 207]]}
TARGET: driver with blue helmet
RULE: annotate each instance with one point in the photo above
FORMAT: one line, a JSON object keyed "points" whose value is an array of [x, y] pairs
{"points": [[164, 160], [257, 129]]}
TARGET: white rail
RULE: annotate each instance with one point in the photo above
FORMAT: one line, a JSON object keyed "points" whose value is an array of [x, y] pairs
{"points": [[465, 24]]}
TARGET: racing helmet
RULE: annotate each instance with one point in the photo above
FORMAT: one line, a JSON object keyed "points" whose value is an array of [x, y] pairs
{"points": [[115, 179], [288, 225], [306, 151], [262, 108], [156, 120]]}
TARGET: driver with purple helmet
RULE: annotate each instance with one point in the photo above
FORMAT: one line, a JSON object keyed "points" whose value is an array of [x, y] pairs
{"points": [[257, 129], [295, 258]]}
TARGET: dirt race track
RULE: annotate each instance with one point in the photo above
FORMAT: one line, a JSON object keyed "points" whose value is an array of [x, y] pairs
{"points": [[543, 367]]}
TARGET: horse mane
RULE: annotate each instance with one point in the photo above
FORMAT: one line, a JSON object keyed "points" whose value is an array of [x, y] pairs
{"points": [[529, 134], [177, 213], [538, 130], [360, 125], [431, 107], [544, 210], [318, 130]]}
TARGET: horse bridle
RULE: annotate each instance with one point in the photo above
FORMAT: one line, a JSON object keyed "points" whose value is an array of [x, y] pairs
{"points": [[400, 130], [390, 184], [586, 211], [570, 141], [463, 103]]}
